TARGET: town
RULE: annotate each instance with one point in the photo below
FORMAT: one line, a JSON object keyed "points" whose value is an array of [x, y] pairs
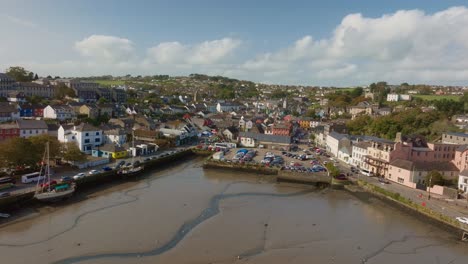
{"points": [[380, 131]]}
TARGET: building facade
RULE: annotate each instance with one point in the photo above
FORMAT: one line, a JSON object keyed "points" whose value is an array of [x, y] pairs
{"points": [[29, 128]]}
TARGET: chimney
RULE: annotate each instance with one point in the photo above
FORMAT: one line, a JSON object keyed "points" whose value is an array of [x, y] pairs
{"points": [[398, 137]]}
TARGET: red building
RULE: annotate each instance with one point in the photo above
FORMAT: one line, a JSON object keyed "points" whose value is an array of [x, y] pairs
{"points": [[9, 131], [38, 110], [282, 129]]}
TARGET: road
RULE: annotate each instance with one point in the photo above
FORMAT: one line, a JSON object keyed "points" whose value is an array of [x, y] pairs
{"points": [[28, 187]]}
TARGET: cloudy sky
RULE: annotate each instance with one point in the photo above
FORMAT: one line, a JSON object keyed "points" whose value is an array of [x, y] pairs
{"points": [[293, 42]]}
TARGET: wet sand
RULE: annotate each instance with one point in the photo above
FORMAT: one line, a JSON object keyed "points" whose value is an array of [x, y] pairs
{"points": [[187, 215]]}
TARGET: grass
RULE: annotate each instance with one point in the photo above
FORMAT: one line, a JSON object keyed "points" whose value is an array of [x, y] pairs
{"points": [[110, 82], [437, 97]]}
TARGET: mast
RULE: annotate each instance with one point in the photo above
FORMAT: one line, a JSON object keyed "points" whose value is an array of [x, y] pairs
{"points": [[133, 146], [48, 167]]}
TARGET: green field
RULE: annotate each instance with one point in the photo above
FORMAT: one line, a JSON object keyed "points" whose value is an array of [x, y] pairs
{"points": [[110, 82], [437, 97]]}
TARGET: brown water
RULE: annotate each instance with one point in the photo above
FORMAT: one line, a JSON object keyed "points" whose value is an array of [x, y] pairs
{"points": [[188, 215]]}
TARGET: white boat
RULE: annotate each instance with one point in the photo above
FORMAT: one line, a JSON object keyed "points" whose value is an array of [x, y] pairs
{"points": [[51, 193]]}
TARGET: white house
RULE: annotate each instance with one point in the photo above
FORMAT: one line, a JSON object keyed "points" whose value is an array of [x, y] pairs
{"points": [[84, 135], [463, 181], [29, 128], [358, 154], [393, 97], [60, 112], [228, 107], [115, 136], [335, 141]]}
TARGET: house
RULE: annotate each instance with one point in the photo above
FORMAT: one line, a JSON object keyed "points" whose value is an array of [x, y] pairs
{"points": [[16, 97], [413, 173], [461, 157], [59, 112], [35, 89], [26, 110], [282, 129], [110, 151], [463, 182], [125, 123], [105, 109], [104, 93], [8, 112], [84, 135], [29, 128], [8, 131], [7, 85], [231, 133], [455, 138], [115, 136], [359, 151], [392, 97], [119, 95], [252, 139], [183, 132], [228, 107], [89, 111], [335, 141], [52, 130], [379, 156]]}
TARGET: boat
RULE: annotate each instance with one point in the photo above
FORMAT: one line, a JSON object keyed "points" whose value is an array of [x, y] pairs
{"points": [[47, 192], [135, 167]]}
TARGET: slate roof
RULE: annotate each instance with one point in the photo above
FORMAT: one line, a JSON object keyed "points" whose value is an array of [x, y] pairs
{"points": [[266, 138], [32, 124], [424, 166], [86, 127], [457, 134]]}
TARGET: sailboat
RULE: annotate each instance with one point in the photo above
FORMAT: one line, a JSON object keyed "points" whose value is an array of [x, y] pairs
{"points": [[135, 167], [48, 193]]}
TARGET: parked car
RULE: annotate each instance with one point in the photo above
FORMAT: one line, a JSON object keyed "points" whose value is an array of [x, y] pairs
{"points": [[107, 168], [462, 219], [66, 179], [79, 176], [4, 194], [92, 172], [147, 159], [342, 176], [383, 180]]}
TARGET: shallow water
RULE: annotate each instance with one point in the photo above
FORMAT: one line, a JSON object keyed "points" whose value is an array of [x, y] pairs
{"points": [[189, 215]]}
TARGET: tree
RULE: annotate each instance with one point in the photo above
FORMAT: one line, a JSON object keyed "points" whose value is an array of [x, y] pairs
{"points": [[36, 77], [61, 91], [102, 101], [18, 151], [39, 143], [72, 153], [434, 178], [332, 170], [19, 74]]}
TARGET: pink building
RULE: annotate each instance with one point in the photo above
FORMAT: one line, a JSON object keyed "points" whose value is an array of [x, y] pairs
{"points": [[461, 158], [413, 173]]}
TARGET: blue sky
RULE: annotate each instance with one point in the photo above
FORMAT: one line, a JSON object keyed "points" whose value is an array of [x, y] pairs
{"points": [[289, 42]]}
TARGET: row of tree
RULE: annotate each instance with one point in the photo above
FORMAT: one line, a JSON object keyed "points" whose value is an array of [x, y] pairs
{"points": [[30, 151], [19, 74], [429, 124]]}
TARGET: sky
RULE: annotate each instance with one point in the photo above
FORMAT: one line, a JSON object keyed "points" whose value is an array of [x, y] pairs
{"points": [[331, 43]]}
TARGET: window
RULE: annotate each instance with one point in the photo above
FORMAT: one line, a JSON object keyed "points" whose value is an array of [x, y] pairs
{"points": [[37, 131], [86, 134], [97, 133], [73, 137], [401, 180], [97, 140], [86, 141]]}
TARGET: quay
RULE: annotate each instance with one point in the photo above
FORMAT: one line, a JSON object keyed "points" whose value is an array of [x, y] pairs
{"points": [[17, 200]]}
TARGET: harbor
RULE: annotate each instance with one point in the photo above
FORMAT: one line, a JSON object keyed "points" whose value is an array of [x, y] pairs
{"points": [[187, 208]]}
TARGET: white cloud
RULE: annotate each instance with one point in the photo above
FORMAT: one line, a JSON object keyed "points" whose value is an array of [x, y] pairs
{"points": [[106, 48], [404, 46], [207, 52]]}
